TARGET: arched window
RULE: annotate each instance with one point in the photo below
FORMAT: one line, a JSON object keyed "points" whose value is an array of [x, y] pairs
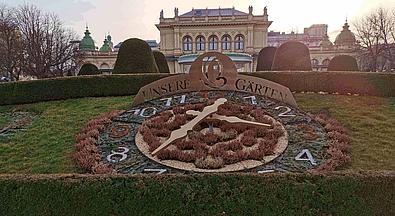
{"points": [[314, 62], [200, 43], [104, 66], [187, 43], [213, 42], [226, 44], [326, 62], [239, 42]]}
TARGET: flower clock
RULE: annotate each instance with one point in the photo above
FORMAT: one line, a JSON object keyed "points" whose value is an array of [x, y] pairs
{"points": [[214, 120]]}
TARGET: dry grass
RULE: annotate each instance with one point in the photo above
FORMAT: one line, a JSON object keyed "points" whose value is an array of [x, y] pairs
{"points": [[370, 121]]}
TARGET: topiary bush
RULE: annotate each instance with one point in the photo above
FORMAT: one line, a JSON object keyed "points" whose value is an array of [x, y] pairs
{"points": [[88, 69], [161, 62], [265, 59], [292, 56], [135, 56], [343, 63]]}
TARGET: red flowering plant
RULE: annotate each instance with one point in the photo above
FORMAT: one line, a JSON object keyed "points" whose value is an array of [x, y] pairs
{"points": [[87, 155]]}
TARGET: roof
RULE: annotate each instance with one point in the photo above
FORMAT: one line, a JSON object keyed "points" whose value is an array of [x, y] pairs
{"points": [[106, 46], [346, 37], [87, 43], [214, 12], [151, 43]]}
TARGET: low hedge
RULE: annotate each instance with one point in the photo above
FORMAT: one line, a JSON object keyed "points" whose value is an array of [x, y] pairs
{"points": [[231, 194], [74, 87], [364, 83]]}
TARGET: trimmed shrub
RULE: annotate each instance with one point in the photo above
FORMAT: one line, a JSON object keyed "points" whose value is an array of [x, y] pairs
{"points": [[343, 63], [161, 62], [88, 69], [363, 83], [74, 87], [362, 193], [135, 56], [265, 59], [292, 56]]}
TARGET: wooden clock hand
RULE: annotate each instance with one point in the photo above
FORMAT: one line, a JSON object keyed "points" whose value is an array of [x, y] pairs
{"points": [[183, 131], [234, 119], [230, 119]]}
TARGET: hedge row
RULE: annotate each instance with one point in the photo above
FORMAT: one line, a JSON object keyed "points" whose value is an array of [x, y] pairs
{"points": [[363, 83], [74, 87], [377, 84], [232, 194]]}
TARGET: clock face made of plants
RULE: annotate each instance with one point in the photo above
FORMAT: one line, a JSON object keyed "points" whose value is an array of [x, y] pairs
{"points": [[214, 127]]}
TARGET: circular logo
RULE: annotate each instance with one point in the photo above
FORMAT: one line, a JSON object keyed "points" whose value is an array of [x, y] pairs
{"points": [[214, 70]]}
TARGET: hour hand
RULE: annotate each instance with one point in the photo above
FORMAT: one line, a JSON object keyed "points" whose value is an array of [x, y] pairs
{"points": [[183, 131]]}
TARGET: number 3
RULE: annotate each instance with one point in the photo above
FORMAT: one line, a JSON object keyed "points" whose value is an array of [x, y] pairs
{"points": [[123, 155]]}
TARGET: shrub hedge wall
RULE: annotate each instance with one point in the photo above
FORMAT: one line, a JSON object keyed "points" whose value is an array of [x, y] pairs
{"points": [[74, 87], [231, 194], [363, 83], [377, 84]]}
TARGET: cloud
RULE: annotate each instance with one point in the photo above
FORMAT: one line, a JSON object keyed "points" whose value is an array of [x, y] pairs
{"points": [[137, 18]]}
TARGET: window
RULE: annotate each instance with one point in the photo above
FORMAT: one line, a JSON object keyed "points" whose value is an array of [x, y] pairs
{"points": [[226, 42], [314, 62], [200, 43], [239, 42], [326, 62], [187, 43], [213, 42]]}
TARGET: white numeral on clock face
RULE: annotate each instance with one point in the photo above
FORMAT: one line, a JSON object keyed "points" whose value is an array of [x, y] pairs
{"points": [[168, 101], [285, 113], [253, 99], [145, 112], [305, 155], [122, 155]]}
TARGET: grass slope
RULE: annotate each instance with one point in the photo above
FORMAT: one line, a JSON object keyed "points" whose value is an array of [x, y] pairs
{"points": [[370, 121], [47, 144]]}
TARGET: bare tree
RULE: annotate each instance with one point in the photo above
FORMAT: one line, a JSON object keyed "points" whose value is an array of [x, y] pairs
{"points": [[375, 33], [48, 49], [11, 45]]}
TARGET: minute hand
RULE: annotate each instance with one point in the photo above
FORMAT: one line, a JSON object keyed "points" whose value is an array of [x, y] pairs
{"points": [[183, 131]]}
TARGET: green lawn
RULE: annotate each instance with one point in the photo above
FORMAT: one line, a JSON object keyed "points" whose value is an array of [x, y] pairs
{"points": [[3, 121], [371, 122], [46, 145]]}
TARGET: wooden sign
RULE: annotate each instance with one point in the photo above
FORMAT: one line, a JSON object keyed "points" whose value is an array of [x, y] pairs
{"points": [[214, 71]]}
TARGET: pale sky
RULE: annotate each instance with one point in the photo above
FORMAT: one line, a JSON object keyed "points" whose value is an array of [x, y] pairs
{"points": [[137, 18]]}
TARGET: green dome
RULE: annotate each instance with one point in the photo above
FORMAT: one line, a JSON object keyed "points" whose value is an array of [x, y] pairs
{"points": [[106, 46], [87, 43]]}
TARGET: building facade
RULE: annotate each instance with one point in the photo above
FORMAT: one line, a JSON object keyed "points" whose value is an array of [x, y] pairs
{"points": [[235, 33], [311, 36], [103, 58], [322, 50]]}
